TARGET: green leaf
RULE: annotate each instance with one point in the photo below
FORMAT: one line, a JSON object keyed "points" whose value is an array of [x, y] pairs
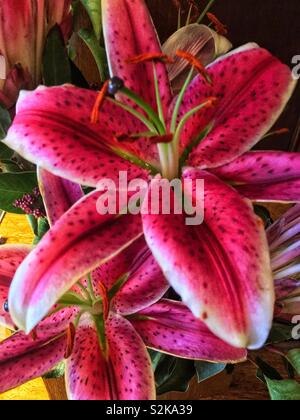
{"points": [[14, 186], [266, 370], [93, 8], [294, 358], [287, 390], [5, 122], [98, 52], [56, 65], [42, 229], [206, 370], [280, 333], [174, 374], [7, 165]]}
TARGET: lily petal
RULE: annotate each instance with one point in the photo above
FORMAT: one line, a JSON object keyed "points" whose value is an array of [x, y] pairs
{"points": [[210, 265], [264, 175], [53, 129], [58, 194], [129, 32], [48, 330], [80, 241], [170, 327], [253, 88], [126, 373], [145, 283], [18, 370], [11, 256]]}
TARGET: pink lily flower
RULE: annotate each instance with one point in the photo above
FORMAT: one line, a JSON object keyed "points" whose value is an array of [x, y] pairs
{"points": [[284, 241], [220, 269], [103, 326], [24, 28]]}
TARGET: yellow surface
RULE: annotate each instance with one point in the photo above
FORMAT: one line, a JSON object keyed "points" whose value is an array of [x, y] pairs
{"points": [[17, 231]]}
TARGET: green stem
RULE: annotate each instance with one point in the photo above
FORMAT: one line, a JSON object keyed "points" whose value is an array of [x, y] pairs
{"points": [[158, 98], [179, 19], [207, 8], [180, 99], [188, 19], [90, 288], [154, 118], [84, 291], [135, 113]]}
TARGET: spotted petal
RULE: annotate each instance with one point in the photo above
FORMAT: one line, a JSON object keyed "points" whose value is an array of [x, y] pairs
{"points": [[210, 265], [17, 370], [265, 176], [81, 240], [142, 278], [170, 327], [58, 194], [125, 374], [129, 32], [11, 256], [53, 129], [253, 88]]}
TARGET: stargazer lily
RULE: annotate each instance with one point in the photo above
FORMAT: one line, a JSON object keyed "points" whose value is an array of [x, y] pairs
{"points": [[220, 269], [103, 326]]}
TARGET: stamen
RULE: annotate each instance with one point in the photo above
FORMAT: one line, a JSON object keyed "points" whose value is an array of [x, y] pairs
{"points": [[105, 302], [219, 26], [99, 102], [71, 332], [167, 138], [154, 138], [279, 132], [154, 57], [33, 335], [195, 63]]}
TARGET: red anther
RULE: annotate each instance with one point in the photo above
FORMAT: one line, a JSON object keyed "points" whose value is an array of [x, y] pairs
{"points": [[211, 102], [71, 332], [155, 57], [99, 102], [281, 131], [33, 335], [195, 63], [105, 303], [219, 26], [167, 138]]}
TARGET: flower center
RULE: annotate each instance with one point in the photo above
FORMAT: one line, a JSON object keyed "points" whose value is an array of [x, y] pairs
{"points": [[165, 136]]}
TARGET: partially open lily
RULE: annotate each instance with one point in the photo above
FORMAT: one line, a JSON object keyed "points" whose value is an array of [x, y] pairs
{"points": [[199, 40], [221, 269], [24, 27], [284, 241], [102, 328]]}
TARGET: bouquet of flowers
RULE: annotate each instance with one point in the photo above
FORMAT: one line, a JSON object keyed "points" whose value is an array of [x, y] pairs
{"points": [[151, 262]]}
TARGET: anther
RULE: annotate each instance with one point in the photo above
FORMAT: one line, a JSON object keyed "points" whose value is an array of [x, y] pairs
{"points": [[154, 57], [190, 58], [99, 102], [219, 27], [71, 332], [105, 303]]}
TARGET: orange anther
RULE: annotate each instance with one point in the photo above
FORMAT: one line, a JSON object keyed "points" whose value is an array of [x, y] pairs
{"points": [[220, 28], [195, 63], [71, 332], [99, 102], [105, 302], [156, 57]]}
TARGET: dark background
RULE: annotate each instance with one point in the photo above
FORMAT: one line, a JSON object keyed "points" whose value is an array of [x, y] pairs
{"points": [[274, 24]]}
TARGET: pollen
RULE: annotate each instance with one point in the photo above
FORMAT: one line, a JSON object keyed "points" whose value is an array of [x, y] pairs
{"points": [[154, 57], [99, 102], [194, 62], [219, 26]]}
